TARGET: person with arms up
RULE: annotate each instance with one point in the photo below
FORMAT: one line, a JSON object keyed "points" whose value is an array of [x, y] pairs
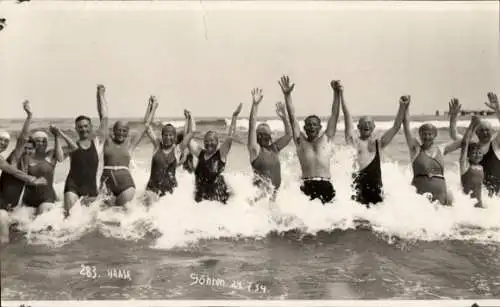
{"points": [[314, 149], [263, 152], [427, 160], [81, 182], [368, 179], [471, 171], [489, 142], [209, 180], [117, 151], [43, 164], [166, 158]]}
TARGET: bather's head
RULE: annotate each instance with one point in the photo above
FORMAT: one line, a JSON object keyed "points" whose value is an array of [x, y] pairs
{"points": [[366, 126], [120, 131], [211, 142], [168, 135], [312, 126], [4, 140], [264, 135], [427, 134], [484, 132]]}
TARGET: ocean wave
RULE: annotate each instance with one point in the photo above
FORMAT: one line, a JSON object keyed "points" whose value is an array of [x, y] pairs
{"points": [[176, 221]]}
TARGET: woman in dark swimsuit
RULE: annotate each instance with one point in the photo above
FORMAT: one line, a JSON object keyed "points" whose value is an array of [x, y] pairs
{"points": [[471, 171], [43, 164], [209, 181], [427, 162], [166, 158], [117, 151]]}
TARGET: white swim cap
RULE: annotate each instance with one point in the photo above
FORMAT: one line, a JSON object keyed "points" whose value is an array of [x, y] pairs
{"points": [[39, 135], [4, 135]]}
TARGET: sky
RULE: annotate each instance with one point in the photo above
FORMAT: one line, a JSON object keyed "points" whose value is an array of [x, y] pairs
{"points": [[207, 56]]}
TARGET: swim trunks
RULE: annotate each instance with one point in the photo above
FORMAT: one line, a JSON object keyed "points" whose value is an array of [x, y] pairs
{"points": [[318, 188]]}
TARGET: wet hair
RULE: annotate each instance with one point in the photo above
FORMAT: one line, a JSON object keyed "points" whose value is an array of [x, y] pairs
{"points": [[426, 127], [168, 126], [211, 132], [83, 117], [316, 117]]}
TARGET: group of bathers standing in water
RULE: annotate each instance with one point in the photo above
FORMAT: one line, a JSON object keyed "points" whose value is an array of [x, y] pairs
{"points": [[28, 173]]}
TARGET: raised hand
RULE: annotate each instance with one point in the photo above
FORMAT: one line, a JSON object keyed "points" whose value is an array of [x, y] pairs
{"points": [[475, 121], [454, 107], [187, 114], [493, 102], [27, 107], [54, 130], [286, 86], [336, 86], [405, 101], [238, 110], [257, 96], [281, 110], [101, 90]]}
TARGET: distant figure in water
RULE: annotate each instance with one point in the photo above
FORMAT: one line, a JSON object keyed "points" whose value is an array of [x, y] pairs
{"points": [[42, 164], [471, 171], [368, 179], [314, 149], [263, 152], [188, 164], [427, 161], [166, 158], [209, 181], [488, 141], [118, 147], [14, 175], [81, 182]]}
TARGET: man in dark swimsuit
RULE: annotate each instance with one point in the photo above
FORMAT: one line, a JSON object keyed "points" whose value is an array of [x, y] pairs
{"points": [[263, 152], [209, 181], [368, 179], [314, 149], [489, 142], [81, 181]]}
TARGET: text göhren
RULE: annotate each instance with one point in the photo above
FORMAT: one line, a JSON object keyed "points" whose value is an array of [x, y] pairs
{"points": [[205, 280], [90, 271]]}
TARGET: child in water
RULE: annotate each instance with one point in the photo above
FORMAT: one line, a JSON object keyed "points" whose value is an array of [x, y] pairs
{"points": [[471, 170]]}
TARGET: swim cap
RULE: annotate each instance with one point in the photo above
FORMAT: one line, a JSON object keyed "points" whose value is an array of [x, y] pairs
{"points": [[39, 135], [4, 135], [263, 128]]}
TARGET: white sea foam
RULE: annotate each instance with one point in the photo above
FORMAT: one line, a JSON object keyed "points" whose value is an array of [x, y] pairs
{"points": [[180, 221]]}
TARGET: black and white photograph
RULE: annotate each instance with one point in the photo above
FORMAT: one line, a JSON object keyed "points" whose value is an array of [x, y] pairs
{"points": [[250, 153]]}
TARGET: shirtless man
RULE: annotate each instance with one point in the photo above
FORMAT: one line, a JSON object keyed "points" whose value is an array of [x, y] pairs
{"points": [[117, 151], [368, 179], [314, 149], [489, 142], [263, 152], [81, 181]]}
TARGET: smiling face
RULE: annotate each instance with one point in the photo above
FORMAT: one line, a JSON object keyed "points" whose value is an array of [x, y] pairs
{"points": [[366, 125], [211, 142], [312, 126], [168, 136], [484, 132], [475, 154], [120, 132], [264, 137], [83, 127], [427, 133], [29, 148]]}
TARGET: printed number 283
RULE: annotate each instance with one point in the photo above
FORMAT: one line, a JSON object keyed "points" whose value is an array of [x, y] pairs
{"points": [[88, 271]]}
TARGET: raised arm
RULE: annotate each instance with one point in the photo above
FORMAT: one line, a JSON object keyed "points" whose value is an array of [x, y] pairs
{"points": [[331, 127], [287, 89], [148, 118], [188, 131], [102, 109], [495, 106], [226, 146], [252, 145], [410, 140], [58, 154], [21, 140], [193, 145], [389, 134], [283, 141], [349, 125], [454, 108], [465, 145]]}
